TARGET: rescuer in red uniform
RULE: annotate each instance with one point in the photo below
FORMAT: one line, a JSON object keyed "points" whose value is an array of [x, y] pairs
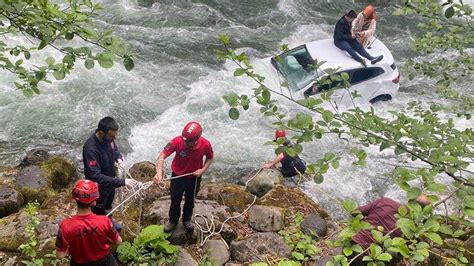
{"points": [[85, 236], [190, 149]]}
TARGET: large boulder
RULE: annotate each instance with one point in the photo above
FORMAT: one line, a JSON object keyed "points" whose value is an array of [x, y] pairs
{"points": [[218, 252], [185, 259], [231, 195], [313, 224], [10, 201], [264, 182], [39, 182], [50, 214], [291, 200], [59, 171], [33, 183], [35, 157], [207, 213], [257, 246], [266, 218]]}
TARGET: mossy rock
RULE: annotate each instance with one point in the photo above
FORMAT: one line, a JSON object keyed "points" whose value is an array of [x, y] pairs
{"points": [[59, 171], [12, 231], [231, 195], [33, 184], [292, 200]]}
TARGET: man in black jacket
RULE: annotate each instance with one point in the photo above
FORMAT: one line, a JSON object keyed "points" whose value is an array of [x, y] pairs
{"points": [[99, 155], [344, 40]]}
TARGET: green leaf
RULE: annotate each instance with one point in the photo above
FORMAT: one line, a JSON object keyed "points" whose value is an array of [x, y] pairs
{"points": [[225, 40], [357, 248], [384, 145], [347, 251], [105, 60], [59, 74], [327, 116], [378, 236], [27, 55], [318, 178], [449, 12], [436, 187], [234, 113], [69, 35], [349, 205], [266, 95], [128, 63], [384, 257], [435, 238], [89, 63], [297, 255], [50, 60], [239, 72], [413, 193]]}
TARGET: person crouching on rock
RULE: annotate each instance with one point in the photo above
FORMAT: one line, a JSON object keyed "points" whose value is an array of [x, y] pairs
{"points": [[290, 166], [190, 149], [86, 236]]}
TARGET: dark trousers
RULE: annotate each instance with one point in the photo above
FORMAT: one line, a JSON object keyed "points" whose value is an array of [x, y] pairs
{"points": [[189, 186], [104, 202], [353, 47], [108, 260]]}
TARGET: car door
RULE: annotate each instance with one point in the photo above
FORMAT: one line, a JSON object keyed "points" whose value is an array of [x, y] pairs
{"points": [[364, 81]]}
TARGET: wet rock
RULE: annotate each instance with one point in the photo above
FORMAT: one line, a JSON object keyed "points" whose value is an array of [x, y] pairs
{"points": [[257, 246], [266, 218], [144, 172], [185, 259], [314, 225], [33, 183], [12, 231], [10, 201], [35, 157], [264, 182], [210, 210], [218, 251], [59, 171], [291, 200], [231, 195]]}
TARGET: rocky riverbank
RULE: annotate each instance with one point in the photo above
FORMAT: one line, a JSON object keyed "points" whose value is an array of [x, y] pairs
{"points": [[244, 222]]}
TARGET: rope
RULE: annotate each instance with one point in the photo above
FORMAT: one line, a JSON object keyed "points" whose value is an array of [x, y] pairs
{"points": [[141, 186], [248, 181]]}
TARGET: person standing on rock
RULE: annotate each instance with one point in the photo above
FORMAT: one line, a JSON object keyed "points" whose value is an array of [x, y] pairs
{"points": [[87, 237], [290, 166], [190, 149], [100, 153]]}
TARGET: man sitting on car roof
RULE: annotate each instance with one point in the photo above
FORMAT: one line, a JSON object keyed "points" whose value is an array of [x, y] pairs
{"points": [[344, 40]]}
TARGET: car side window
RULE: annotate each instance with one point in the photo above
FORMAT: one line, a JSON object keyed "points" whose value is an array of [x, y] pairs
{"points": [[314, 89], [364, 74]]}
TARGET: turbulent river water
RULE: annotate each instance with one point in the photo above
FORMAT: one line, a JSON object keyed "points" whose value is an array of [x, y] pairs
{"points": [[178, 78]]}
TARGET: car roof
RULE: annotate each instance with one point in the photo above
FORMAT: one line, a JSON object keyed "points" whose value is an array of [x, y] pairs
{"points": [[325, 50]]}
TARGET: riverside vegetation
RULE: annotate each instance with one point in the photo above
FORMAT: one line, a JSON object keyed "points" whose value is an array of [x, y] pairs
{"points": [[431, 148]]}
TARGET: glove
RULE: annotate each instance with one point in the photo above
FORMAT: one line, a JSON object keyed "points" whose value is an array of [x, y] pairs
{"points": [[121, 163], [131, 182]]}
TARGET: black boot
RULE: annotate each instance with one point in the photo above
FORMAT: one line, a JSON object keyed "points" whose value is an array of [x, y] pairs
{"points": [[169, 227], [189, 226], [376, 60]]}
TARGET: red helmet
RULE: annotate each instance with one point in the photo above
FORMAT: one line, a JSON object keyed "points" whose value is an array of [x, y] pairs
{"points": [[192, 131], [280, 133], [85, 191]]}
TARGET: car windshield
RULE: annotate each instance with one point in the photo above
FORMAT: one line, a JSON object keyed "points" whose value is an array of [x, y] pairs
{"points": [[295, 66]]}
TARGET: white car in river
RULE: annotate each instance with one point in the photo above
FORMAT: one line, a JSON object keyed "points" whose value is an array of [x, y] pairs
{"points": [[379, 82]]}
